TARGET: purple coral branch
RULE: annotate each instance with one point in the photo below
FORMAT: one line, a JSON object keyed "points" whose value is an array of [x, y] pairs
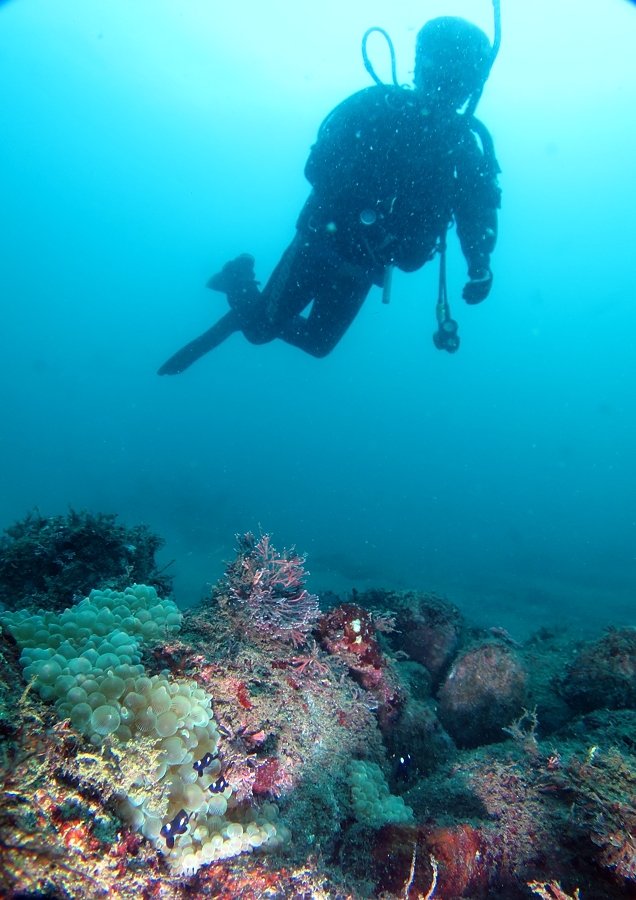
{"points": [[269, 587]]}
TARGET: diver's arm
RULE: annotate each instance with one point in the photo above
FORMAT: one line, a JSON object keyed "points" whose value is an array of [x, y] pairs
{"points": [[227, 325], [477, 199]]}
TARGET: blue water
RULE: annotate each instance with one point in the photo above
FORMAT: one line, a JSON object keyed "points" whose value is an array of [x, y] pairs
{"points": [[144, 144]]}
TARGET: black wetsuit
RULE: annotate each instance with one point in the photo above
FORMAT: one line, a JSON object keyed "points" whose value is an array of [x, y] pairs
{"points": [[388, 177]]}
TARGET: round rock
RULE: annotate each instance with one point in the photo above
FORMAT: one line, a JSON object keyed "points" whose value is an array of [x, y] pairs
{"points": [[484, 693]]}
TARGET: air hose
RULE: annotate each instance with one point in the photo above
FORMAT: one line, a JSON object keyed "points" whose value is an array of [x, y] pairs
{"points": [[367, 62], [476, 97]]}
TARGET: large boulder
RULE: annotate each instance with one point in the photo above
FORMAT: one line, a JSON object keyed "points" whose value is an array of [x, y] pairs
{"points": [[484, 693]]}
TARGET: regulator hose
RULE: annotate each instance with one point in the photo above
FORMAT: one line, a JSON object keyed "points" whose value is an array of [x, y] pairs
{"points": [[367, 62]]}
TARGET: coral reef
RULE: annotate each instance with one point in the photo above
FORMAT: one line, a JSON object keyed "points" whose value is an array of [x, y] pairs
{"points": [[348, 633], [87, 660], [254, 747]]}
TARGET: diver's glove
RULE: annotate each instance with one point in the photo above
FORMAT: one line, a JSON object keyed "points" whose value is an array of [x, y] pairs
{"points": [[478, 288]]}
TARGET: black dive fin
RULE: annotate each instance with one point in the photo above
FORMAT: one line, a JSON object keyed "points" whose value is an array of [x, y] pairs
{"points": [[197, 348]]}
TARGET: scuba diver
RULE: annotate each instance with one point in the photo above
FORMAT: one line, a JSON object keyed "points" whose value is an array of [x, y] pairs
{"points": [[391, 170]]}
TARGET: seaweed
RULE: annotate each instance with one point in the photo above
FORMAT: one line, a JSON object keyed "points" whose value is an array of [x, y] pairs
{"points": [[53, 561]]}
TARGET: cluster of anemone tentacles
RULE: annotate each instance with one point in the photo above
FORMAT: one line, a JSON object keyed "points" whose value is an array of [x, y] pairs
{"points": [[87, 660], [373, 804]]}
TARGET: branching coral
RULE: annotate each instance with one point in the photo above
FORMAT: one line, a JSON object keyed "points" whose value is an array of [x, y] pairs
{"points": [[268, 588]]}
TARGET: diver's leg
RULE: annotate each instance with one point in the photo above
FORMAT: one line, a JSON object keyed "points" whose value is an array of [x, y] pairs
{"points": [[207, 341], [291, 285], [311, 270], [334, 309], [258, 313], [307, 271]]}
